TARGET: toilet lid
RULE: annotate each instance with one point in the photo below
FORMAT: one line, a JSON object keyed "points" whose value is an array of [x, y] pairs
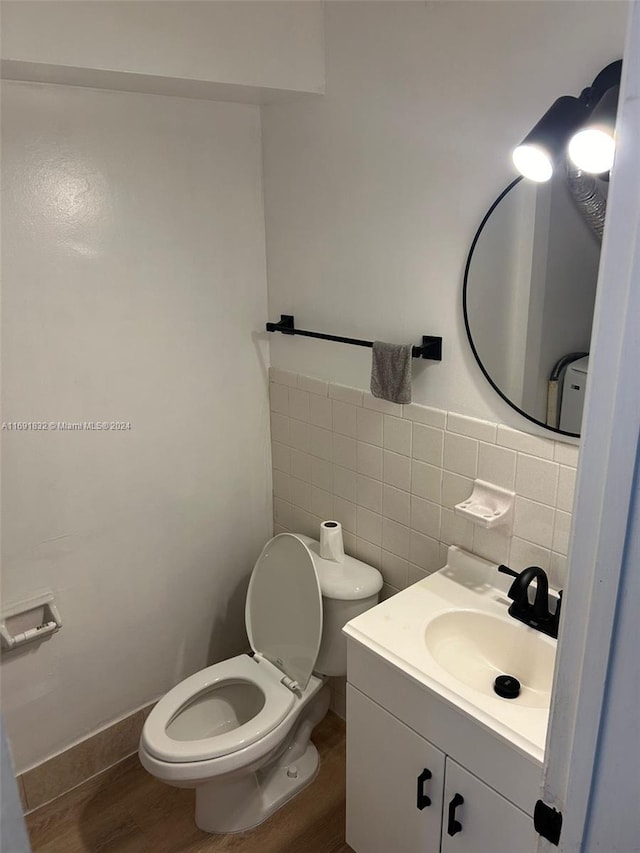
{"points": [[283, 612]]}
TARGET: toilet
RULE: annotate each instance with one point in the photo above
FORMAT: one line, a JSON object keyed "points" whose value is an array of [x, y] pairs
{"points": [[239, 731]]}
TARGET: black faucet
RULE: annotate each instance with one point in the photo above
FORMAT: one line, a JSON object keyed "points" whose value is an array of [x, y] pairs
{"points": [[534, 615]]}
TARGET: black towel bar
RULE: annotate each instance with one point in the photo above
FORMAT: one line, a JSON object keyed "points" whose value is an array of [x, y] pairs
{"points": [[431, 346]]}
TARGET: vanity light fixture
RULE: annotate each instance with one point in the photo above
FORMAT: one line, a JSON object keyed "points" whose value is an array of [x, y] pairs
{"points": [[593, 146], [584, 124], [534, 158]]}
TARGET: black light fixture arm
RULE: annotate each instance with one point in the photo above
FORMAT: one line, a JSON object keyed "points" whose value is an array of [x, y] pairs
{"points": [[431, 346], [607, 78]]}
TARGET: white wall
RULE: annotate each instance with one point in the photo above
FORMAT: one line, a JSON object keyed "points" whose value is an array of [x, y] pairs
{"points": [[374, 193], [274, 45], [134, 276]]}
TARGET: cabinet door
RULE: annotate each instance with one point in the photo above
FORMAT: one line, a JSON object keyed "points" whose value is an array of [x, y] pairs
{"points": [[395, 780], [485, 822]]}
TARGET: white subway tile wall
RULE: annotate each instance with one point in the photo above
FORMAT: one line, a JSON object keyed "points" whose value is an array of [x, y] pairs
{"points": [[391, 475]]}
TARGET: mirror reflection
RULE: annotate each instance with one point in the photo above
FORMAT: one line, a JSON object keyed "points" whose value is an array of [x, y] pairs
{"points": [[529, 294]]}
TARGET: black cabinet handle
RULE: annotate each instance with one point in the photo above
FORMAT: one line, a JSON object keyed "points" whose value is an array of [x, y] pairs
{"points": [[454, 825], [422, 799]]}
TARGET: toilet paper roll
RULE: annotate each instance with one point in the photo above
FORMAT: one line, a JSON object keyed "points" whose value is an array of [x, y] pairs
{"points": [[331, 544]]}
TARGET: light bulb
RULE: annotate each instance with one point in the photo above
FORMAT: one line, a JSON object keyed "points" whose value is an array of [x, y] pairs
{"points": [[592, 150], [533, 162]]}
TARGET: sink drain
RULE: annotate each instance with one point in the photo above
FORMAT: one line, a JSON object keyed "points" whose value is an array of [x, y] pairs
{"points": [[507, 686]]}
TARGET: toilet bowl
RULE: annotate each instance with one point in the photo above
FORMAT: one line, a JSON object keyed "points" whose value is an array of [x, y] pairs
{"points": [[239, 731]]}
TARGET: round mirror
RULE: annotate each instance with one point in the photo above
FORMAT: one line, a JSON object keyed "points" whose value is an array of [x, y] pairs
{"points": [[528, 298]]}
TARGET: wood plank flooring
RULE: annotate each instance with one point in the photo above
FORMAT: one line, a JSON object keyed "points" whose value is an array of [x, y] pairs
{"points": [[126, 810]]}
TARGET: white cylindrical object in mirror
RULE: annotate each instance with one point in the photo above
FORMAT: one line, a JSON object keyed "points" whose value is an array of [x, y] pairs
{"points": [[331, 544]]}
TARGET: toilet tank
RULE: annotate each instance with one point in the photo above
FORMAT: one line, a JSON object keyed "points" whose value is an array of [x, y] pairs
{"points": [[348, 588], [332, 657]]}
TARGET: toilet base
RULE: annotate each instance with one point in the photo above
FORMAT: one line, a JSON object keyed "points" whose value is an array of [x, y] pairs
{"points": [[240, 804]]}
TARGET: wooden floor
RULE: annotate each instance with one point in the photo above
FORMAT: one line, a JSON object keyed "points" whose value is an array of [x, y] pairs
{"points": [[128, 811]]}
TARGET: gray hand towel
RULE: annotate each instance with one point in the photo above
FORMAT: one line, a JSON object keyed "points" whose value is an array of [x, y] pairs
{"points": [[391, 372]]}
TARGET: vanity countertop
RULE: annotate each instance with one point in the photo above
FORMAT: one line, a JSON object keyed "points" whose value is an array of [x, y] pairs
{"points": [[452, 634]]}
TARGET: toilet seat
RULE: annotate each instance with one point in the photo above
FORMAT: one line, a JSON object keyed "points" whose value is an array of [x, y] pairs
{"points": [[283, 615], [278, 701]]}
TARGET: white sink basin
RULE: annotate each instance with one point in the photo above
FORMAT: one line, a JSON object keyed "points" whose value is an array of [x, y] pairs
{"points": [[476, 647], [451, 632]]}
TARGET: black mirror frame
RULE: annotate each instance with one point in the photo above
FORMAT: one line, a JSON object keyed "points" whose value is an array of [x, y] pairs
{"points": [[465, 313]]}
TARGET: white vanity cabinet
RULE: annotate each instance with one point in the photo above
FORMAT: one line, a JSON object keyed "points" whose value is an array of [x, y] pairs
{"points": [[392, 803], [403, 793], [485, 822]]}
